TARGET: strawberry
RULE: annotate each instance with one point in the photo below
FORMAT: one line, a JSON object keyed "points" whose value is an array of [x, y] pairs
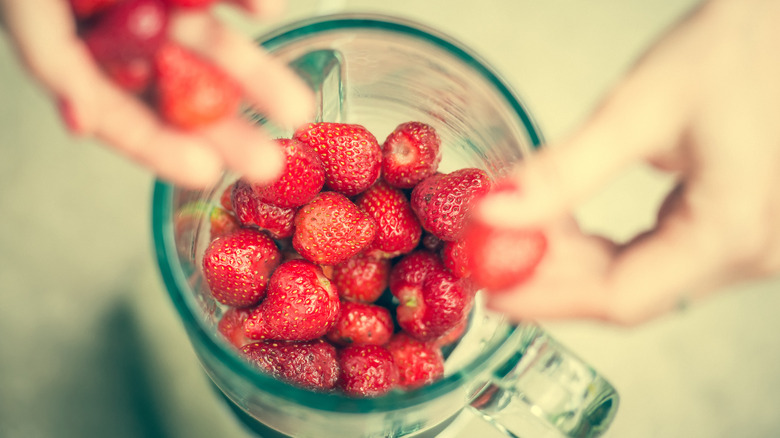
{"points": [[412, 269], [453, 254], [222, 222], [502, 258], [419, 363], [125, 38], [251, 211], [237, 266], [443, 202], [361, 277], [331, 229], [360, 324], [301, 180], [350, 154], [190, 91], [429, 310], [301, 304], [312, 365], [410, 154], [231, 325], [84, 9], [398, 230], [366, 371]]}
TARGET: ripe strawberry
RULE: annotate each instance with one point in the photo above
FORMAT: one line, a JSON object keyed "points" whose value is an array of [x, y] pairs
{"points": [[453, 254], [412, 269], [312, 365], [398, 230], [366, 371], [410, 154], [251, 211], [190, 91], [361, 277], [222, 222], [350, 154], [361, 324], [429, 310], [502, 258], [443, 201], [237, 266], [419, 363], [301, 180], [84, 9], [231, 325], [125, 38], [331, 229], [301, 304]]}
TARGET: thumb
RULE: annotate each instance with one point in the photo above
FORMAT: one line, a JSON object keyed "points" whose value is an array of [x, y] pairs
{"points": [[642, 118]]}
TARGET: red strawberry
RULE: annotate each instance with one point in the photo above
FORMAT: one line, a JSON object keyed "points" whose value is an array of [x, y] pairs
{"points": [[410, 154], [231, 326], [237, 266], [331, 229], [312, 365], [125, 38], [366, 371], [398, 230], [361, 323], [350, 154], [361, 277], [301, 304], [502, 258], [419, 363], [412, 269], [84, 9], [301, 180], [443, 201], [429, 310], [251, 211], [190, 91], [194, 4], [453, 254], [222, 222]]}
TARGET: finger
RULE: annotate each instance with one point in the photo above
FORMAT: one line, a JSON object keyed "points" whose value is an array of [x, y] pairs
{"points": [[271, 86], [644, 117], [246, 149]]}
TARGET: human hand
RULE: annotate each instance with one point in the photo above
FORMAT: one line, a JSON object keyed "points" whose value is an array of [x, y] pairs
{"points": [[703, 105], [91, 104]]}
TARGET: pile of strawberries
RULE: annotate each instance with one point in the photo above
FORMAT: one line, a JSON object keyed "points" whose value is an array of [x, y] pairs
{"points": [[129, 40], [305, 265]]}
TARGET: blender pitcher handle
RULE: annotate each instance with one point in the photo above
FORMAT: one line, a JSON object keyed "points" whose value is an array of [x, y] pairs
{"points": [[544, 390]]}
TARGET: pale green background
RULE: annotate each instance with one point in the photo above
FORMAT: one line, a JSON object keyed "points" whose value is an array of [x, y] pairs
{"points": [[89, 344]]}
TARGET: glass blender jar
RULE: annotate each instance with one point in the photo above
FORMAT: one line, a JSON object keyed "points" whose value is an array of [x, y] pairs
{"points": [[379, 71]]}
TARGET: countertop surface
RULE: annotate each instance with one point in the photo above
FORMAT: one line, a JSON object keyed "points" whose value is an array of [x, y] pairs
{"points": [[90, 342]]}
